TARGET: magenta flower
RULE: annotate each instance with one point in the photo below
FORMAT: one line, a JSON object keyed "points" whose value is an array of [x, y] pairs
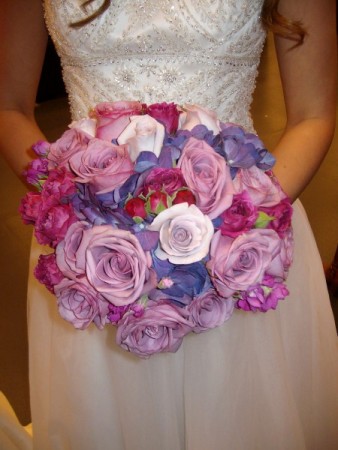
{"points": [[239, 217], [168, 180], [166, 113], [47, 271], [30, 207]]}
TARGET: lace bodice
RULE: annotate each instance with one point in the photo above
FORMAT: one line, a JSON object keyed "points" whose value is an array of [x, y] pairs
{"points": [[187, 51]]}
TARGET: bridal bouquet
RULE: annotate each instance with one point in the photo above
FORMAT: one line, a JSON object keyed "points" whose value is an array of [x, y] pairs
{"points": [[161, 221]]}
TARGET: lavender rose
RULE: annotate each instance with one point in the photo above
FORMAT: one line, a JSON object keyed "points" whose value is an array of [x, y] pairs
{"points": [[103, 165], [161, 328], [143, 134], [185, 234], [71, 142], [115, 264], [80, 304], [207, 176], [260, 186], [209, 310], [236, 264], [70, 259]]}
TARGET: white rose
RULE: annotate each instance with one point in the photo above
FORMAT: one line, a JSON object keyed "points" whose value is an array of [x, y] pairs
{"points": [[197, 115], [185, 234], [143, 134]]}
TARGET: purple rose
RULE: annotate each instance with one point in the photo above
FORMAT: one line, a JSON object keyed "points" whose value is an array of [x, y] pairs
{"points": [[161, 328], [166, 113], [236, 264], [264, 296], [116, 265], [71, 142], [30, 207], [239, 217], [47, 271], [207, 176], [168, 180], [103, 165], [260, 186], [209, 310], [80, 304], [51, 226]]}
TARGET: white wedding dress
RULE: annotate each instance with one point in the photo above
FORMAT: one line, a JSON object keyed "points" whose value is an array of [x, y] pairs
{"points": [[259, 382]]}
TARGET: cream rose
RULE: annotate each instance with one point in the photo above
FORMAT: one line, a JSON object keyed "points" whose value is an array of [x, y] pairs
{"points": [[143, 134], [197, 115], [185, 234]]}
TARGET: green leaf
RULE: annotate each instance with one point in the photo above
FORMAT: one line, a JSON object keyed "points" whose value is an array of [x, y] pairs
{"points": [[263, 220]]}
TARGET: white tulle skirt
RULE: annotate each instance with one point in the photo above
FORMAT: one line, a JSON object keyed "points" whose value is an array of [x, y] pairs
{"points": [[261, 381]]}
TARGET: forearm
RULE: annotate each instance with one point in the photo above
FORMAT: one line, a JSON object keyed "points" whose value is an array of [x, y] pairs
{"points": [[17, 134], [300, 152]]}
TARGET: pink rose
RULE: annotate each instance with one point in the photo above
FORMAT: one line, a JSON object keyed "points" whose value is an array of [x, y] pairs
{"points": [[239, 217], [207, 176], [103, 165], [113, 117], [52, 225], [236, 264], [70, 258], [209, 310], [30, 207], [260, 186], [71, 142], [87, 125], [80, 304], [116, 265], [168, 180], [166, 113], [197, 115], [161, 328], [47, 271]]}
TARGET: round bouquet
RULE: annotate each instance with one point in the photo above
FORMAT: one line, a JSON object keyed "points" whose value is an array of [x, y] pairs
{"points": [[162, 221]]}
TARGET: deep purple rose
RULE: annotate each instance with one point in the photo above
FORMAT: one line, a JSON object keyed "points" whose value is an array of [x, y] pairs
{"points": [[47, 271], [236, 264], [52, 225], [207, 176], [166, 113], [168, 180], [209, 310], [37, 170], [239, 217], [30, 207], [80, 304], [161, 328], [282, 214]]}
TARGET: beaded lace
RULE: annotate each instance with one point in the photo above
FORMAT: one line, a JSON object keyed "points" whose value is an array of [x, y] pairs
{"points": [[186, 51]]}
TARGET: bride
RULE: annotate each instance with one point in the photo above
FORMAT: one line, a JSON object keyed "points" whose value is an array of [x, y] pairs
{"points": [[267, 381]]}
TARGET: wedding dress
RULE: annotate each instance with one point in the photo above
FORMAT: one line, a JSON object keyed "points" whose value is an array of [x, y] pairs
{"points": [[261, 381]]}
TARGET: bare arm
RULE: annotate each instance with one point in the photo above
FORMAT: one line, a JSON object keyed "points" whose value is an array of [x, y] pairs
{"points": [[308, 75], [23, 39]]}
